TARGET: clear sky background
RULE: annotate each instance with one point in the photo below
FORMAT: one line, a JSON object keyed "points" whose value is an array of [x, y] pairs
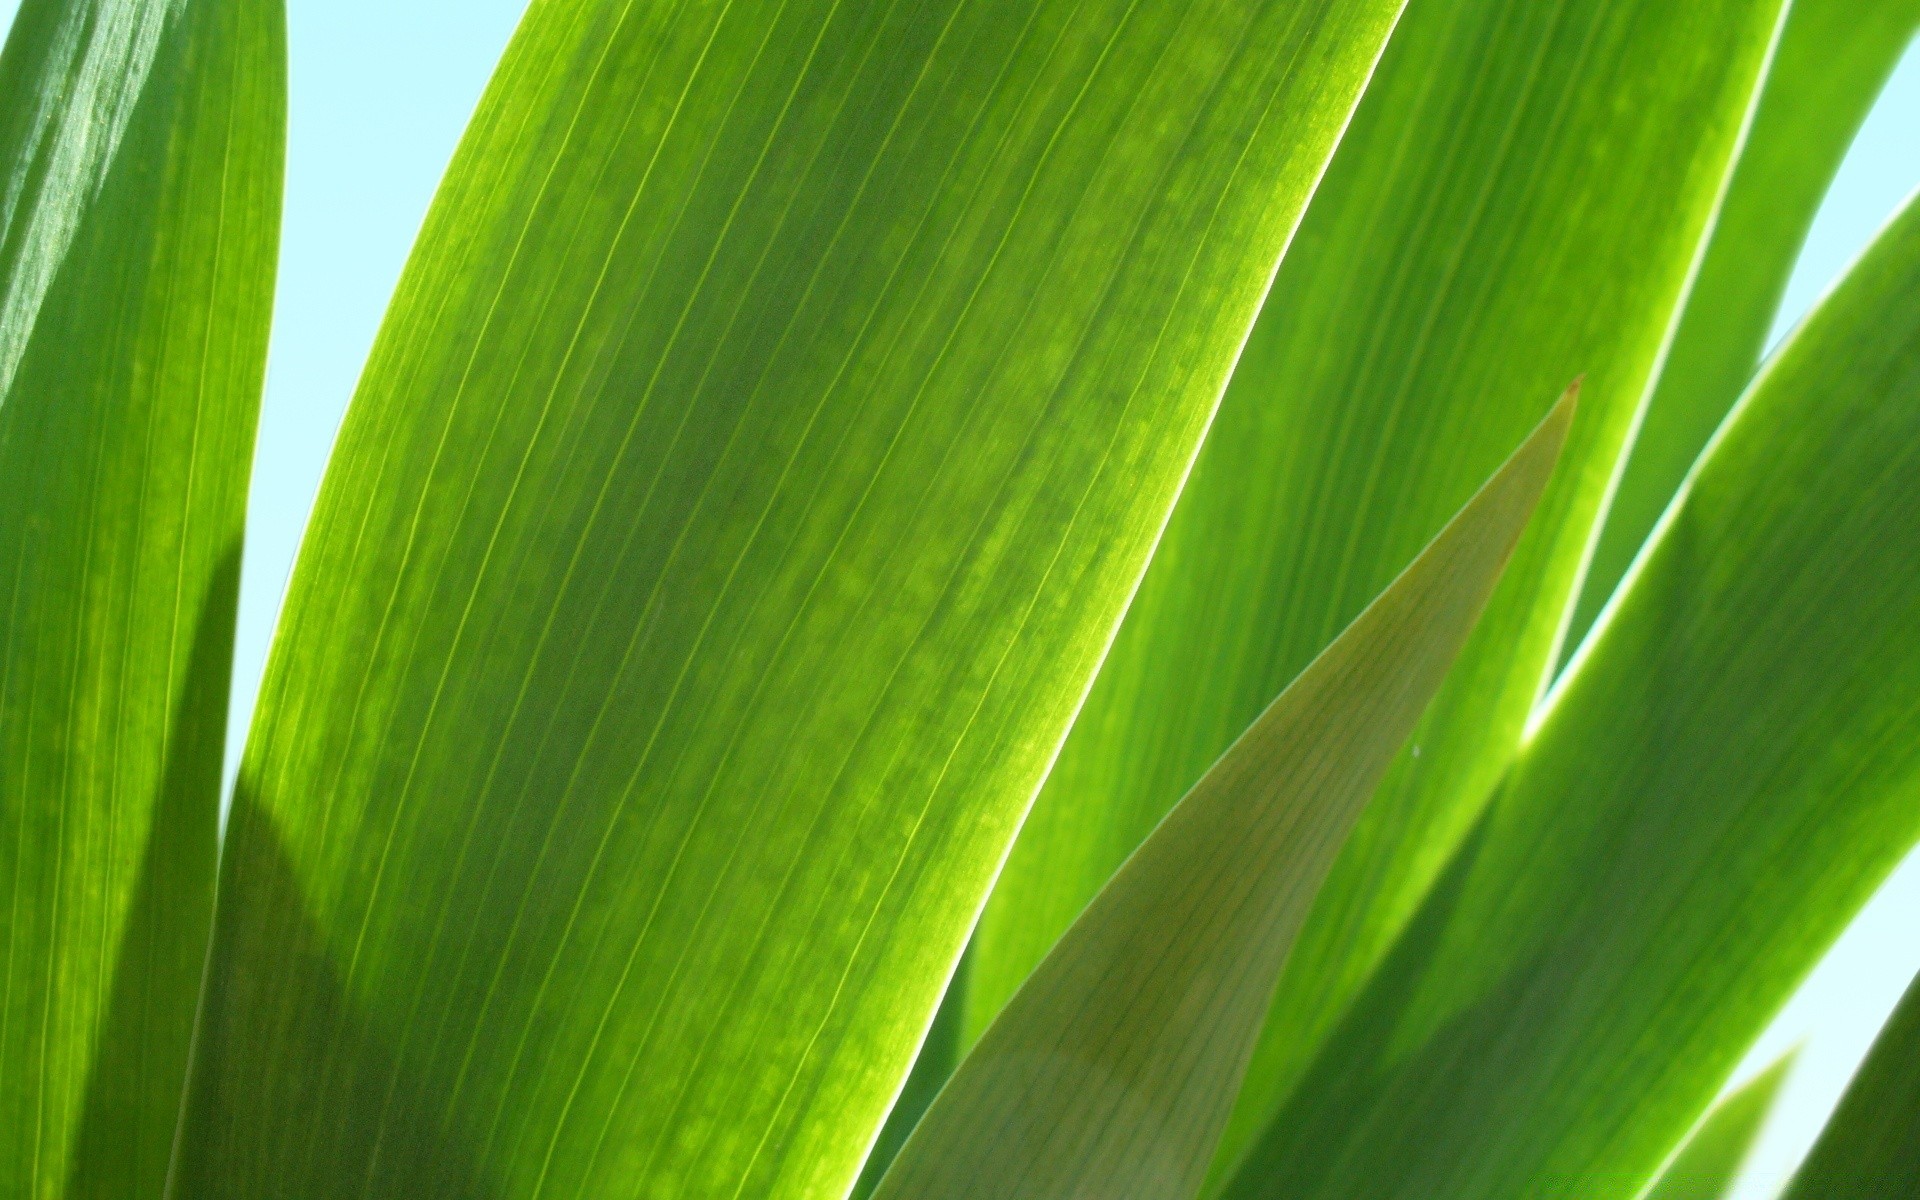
{"points": [[381, 90]]}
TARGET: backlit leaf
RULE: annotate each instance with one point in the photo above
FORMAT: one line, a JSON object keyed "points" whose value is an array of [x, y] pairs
{"points": [[1519, 203], [771, 425], [142, 143], [1724, 777], [1112, 1071]]}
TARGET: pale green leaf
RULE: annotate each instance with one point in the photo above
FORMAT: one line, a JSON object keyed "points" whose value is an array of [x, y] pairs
{"points": [[1711, 1159], [141, 143], [1833, 57], [1871, 1146], [775, 417], [1725, 776], [1518, 203], [1112, 1070]]}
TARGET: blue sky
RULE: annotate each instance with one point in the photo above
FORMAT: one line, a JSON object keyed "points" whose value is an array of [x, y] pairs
{"points": [[380, 92]]}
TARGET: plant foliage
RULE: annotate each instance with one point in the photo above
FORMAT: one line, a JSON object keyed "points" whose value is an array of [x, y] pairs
{"points": [[809, 434]]}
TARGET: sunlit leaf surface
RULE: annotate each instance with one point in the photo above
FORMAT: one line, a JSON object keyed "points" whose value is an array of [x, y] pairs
{"points": [[1518, 203], [1112, 1071], [1725, 777], [1710, 1160], [1833, 57], [767, 434], [138, 222]]}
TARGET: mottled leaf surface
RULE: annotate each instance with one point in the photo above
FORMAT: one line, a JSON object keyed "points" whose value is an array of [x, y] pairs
{"points": [[142, 146], [770, 427], [1112, 1071], [1518, 204]]}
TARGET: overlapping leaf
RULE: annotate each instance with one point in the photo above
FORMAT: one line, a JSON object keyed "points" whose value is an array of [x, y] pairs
{"points": [[142, 140], [1725, 776], [1706, 1167], [1871, 1146], [1833, 57], [767, 434], [1519, 202], [1112, 1071]]}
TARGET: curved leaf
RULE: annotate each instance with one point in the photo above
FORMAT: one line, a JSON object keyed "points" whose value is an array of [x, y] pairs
{"points": [[1484, 235], [771, 425], [1833, 59], [1723, 778], [138, 227], [1112, 1071]]}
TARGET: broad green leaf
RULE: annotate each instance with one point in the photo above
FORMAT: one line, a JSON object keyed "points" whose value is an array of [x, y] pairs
{"points": [[1486, 233], [937, 1058], [1833, 58], [767, 434], [142, 142], [1711, 1159], [1871, 1146], [1722, 779], [1112, 1070]]}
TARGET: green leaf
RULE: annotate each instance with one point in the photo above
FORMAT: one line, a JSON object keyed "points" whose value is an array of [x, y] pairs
{"points": [[937, 1058], [1722, 779], [142, 144], [1834, 56], [1871, 1146], [1484, 235], [1710, 1161], [1112, 1070], [767, 434]]}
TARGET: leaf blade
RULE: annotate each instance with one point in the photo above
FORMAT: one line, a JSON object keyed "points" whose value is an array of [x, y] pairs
{"points": [[1711, 1158], [1112, 1071], [137, 237], [1432, 291], [771, 426], [1832, 61], [1721, 782]]}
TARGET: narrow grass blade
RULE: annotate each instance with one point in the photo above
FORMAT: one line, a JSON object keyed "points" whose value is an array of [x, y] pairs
{"points": [[1709, 1162], [1833, 58], [1723, 779], [142, 143], [1871, 1146], [1112, 1070], [775, 417], [1485, 234]]}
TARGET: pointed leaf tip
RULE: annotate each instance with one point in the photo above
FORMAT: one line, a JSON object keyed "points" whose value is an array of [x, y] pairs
{"points": [[1113, 1069]]}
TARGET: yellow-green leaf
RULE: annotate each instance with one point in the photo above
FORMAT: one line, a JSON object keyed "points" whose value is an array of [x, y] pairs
{"points": [[1519, 202], [1707, 1165], [1833, 58], [1111, 1072], [1724, 777], [770, 427]]}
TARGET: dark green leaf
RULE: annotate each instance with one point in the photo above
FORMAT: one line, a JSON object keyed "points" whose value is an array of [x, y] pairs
{"points": [[142, 142], [1871, 1147]]}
